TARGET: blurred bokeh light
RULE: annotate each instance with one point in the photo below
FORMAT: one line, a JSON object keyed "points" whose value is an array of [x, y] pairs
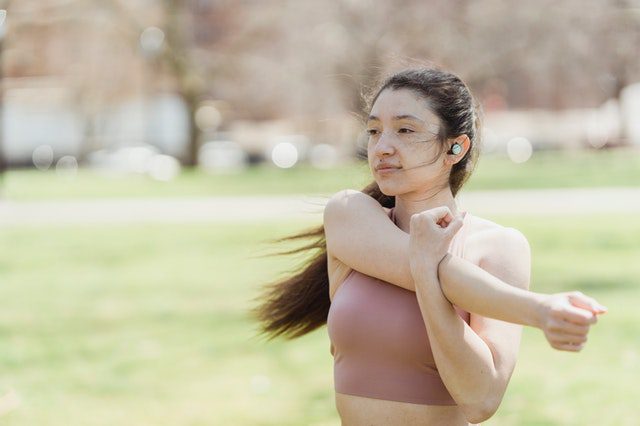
{"points": [[284, 155], [43, 157], [519, 149]]}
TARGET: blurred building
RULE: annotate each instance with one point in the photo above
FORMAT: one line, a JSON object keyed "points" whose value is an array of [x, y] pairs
{"points": [[81, 76]]}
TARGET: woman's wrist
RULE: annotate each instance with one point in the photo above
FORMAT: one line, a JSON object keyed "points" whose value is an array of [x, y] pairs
{"points": [[427, 275], [426, 280], [438, 270], [536, 311]]}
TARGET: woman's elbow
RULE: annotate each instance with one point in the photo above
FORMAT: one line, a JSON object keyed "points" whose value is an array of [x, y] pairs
{"points": [[481, 412]]}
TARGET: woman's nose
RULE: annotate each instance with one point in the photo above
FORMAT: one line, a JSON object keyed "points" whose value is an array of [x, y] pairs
{"points": [[384, 145]]}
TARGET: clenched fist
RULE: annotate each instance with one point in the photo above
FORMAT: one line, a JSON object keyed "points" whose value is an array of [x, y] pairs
{"points": [[566, 318], [430, 235]]}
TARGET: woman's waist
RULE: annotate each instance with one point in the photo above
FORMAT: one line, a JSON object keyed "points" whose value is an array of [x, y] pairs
{"points": [[415, 383], [361, 410]]}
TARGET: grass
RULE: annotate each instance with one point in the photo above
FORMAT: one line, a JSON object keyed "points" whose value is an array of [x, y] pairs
{"points": [[545, 169], [147, 325]]}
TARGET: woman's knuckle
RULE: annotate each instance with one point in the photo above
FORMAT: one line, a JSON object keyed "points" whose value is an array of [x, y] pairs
{"points": [[554, 315]]}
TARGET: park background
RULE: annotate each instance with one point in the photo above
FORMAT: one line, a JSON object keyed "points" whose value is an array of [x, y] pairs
{"points": [[151, 149]]}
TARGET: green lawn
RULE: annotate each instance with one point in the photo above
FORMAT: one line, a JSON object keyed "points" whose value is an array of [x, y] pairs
{"points": [[147, 325], [545, 169]]}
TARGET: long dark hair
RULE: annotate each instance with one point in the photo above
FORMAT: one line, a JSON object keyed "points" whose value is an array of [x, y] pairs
{"points": [[299, 304]]}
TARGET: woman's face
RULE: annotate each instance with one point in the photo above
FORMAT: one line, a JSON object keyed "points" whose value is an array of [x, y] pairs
{"points": [[403, 134]]}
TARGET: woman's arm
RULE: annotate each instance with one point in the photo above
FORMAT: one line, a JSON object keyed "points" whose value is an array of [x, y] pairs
{"points": [[359, 233], [475, 360]]}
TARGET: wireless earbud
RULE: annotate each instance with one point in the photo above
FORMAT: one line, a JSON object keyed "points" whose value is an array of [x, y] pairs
{"points": [[455, 149]]}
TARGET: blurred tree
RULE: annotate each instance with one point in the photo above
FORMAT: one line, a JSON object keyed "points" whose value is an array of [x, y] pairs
{"points": [[4, 5], [308, 60]]}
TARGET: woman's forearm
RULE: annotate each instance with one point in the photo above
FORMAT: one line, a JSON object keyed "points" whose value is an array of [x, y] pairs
{"points": [[465, 362], [475, 290], [361, 235]]}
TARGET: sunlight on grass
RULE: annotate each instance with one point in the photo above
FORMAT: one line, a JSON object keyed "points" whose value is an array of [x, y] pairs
{"points": [[148, 325]]}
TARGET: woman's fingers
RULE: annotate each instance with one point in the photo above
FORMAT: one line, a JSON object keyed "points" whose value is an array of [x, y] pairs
{"points": [[568, 328], [567, 338], [441, 216], [569, 347], [430, 236], [566, 325], [439, 212], [576, 315], [583, 301], [564, 341], [453, 227]]}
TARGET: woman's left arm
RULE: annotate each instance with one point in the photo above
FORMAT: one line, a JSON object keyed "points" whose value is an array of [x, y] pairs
{"points": [[360, 234], [475, 360]]}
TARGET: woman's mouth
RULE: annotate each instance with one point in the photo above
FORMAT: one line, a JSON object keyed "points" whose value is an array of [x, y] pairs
{"points": [[387, 170]]}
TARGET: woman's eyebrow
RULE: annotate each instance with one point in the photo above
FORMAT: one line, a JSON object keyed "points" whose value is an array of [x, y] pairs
{"points": [[408, 116], [398, 117]]}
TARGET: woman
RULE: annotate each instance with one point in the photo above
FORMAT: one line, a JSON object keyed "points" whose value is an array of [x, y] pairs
{"points": [[426, 302]]}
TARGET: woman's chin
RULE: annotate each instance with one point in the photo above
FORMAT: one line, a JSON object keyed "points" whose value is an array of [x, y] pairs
{"points": [[388, 190]]}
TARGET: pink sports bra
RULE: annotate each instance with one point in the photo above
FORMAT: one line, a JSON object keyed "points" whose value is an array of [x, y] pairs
{"points": [[379, 341]]}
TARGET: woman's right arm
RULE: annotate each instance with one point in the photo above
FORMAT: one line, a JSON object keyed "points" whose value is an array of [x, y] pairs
{"points": [[359, 233]]}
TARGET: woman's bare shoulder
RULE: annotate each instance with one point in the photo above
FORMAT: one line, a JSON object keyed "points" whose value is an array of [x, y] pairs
{"points": [[483, 235], [479, 224]]}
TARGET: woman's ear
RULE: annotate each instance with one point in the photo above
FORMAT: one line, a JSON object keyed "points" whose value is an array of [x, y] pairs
{"points": [[464, 142]]}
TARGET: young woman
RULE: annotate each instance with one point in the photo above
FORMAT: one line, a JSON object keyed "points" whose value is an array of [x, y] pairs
{"points": [[426, 303]]}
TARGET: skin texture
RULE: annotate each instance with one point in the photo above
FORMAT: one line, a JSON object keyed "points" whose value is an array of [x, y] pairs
{"points": [[475, 360], [361, 234]]}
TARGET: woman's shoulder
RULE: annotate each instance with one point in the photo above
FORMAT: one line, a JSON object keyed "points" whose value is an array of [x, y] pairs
{"points": [[480, 226], [483, 235]]}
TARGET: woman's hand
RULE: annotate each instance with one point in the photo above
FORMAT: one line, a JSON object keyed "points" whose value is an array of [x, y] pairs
{"points": [[565, 319], [430, 234]]}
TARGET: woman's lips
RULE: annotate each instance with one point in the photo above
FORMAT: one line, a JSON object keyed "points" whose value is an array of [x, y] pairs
{"points": [[387, 170]]}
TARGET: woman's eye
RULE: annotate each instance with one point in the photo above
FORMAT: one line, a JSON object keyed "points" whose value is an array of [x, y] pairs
{"points": [[372, 132], [405, 130]]}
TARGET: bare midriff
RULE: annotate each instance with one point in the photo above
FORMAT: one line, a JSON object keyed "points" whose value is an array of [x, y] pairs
{"points": [[361, 411]]}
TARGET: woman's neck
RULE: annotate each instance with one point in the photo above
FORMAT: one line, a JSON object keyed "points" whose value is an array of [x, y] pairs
{"points": [[408, 205]]}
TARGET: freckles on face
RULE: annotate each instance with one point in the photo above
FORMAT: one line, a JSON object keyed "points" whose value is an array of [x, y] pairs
{"points": [[402, 132]]}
